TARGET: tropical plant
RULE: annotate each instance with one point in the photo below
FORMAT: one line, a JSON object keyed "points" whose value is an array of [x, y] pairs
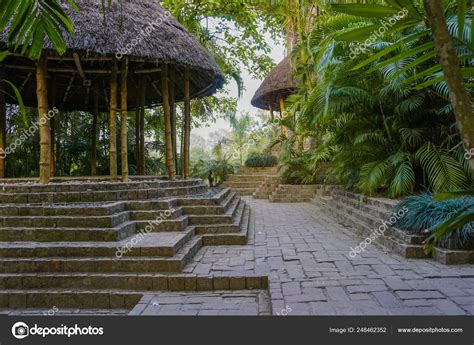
{"points": [[29, 22], [381, 133], [261, 161], [459, 223], [440, 30], [433, 216], [214, 170]]}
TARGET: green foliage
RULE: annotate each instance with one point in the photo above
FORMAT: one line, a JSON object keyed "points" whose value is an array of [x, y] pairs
{"points": [[427, 215], [29, 22], [372, 115], [214, 170], [261, 161]]}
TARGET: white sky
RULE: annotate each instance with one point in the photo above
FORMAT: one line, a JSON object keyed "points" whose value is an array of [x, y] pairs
{"points": [[251, 85]]}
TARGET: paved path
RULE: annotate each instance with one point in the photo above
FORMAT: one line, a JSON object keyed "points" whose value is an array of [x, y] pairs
{"points": [[306, 256]]}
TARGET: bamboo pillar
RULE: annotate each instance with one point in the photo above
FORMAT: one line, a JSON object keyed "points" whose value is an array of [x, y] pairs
{"points": [[187, 123], [112, 122], [45, 131], [53, 126], [95, 116], [270, 108], [137, 136], [3, 124], [123, 119], [142, 126], [173, 118], [282, 110], [168, 135]]}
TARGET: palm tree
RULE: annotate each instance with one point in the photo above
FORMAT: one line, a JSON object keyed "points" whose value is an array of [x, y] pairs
{"points": [[241, 128]]}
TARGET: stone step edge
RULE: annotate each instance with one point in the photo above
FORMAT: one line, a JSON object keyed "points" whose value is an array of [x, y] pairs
{"points": [[393, 244]]}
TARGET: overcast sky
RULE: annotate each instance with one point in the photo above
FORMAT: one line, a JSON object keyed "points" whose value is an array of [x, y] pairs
{"points": [[251, 85]]}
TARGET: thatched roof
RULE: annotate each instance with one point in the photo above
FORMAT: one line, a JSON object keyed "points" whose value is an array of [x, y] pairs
{"points": [[151, 33], [277, 85]]}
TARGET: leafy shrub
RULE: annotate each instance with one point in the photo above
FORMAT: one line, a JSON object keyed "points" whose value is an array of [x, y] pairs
{"points": [[261, 161], [298, 170], [424, 213], [214, 170]]}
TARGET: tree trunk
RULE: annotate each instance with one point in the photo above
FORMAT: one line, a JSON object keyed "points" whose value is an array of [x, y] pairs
{"points": [[112, 122], [3, 124], [173, 118], [95, 116], [452, 72], [45, 131], [142, 125], [123, 120], [168, 135], [187, 123]]}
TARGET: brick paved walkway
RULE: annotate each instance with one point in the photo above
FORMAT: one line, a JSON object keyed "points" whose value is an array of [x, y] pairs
{"points": [[306, 256]]}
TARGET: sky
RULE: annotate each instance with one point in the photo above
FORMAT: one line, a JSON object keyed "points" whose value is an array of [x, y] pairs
{"points": [[251, 85]]}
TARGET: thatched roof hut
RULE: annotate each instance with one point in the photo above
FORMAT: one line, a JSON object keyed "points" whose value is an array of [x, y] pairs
{"points": [[133, 56], [277, 86], [140, 29]]}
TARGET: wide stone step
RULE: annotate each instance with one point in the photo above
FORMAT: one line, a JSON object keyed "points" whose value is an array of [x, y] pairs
{"points": [[238, 184], [118, 233], [69, 184], [108, 221], [100, 196], [96, 209], [103, 264], [163, 225], [203, 200], [173, 213], [151, 205], [141, 244], [239, 237], [210, 209], [45, 298], [209, 219], [131, 281], [244, 191]]}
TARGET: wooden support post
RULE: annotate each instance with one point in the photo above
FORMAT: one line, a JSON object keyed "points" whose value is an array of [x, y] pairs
{"points": [[137, 135], [270, 108], [282, 110], [112, 123], [123, 119], [95, 117], [3, 124], [187, 123], [45, 131], [173, 118], [168, 135], [53, 126], [142, 125]]}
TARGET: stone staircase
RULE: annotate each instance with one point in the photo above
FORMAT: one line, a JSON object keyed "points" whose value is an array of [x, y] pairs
{"points": [[252, 181], [293, 193], [93, 245], [362, 215]]}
